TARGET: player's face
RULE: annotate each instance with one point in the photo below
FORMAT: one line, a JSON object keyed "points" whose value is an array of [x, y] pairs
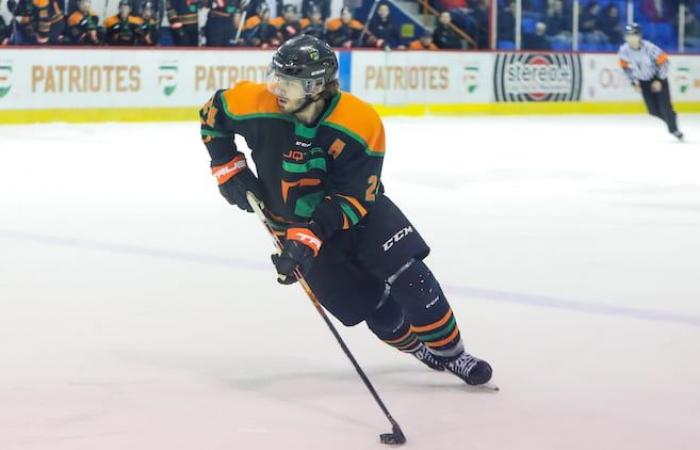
{"points": [[84, 6], [634, 40], [289, 91]]}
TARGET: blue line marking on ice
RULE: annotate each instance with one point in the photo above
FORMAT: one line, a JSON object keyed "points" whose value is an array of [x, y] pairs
{"points": [[488, 294]]}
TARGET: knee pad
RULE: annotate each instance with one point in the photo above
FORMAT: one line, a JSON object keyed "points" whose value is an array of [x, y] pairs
{"points": [[416, 285], [387, 319]]}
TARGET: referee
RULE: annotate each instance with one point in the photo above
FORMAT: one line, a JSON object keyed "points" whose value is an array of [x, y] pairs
{"points": [[646, 65]]}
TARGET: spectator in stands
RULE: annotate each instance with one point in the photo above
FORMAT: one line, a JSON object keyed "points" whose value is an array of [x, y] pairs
{"points": [[150, 29], [610, 24], [83, 26], [21, 10], [4, 33], [479, 12], [444, 36], [352, 5], [558, 24], [323, 6], [220, 29], [657, 10], [424, 43], [344, 31], [288, 25], [537, 40], [183, 16], [588, 20], [5, 30], [506, 22], [122, 29], [314, 25], [48, 22], [692, 29], [258, 30], [382, 30]]}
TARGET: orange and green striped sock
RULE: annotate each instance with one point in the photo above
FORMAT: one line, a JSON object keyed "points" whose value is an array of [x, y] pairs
{"points": [[442, 336]]}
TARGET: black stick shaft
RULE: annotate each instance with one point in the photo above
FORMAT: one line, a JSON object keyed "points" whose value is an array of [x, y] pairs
{"points": [[257, 207]]}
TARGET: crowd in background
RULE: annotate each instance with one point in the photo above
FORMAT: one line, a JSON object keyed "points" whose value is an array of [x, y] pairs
{"points": [[229, 23], [548, 24]]}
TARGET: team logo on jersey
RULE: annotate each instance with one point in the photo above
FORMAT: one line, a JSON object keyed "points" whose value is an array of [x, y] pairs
{"points": [[535, 77], [5, 79], [167, 78], [313, 54], [471, 78], [294, 155]]}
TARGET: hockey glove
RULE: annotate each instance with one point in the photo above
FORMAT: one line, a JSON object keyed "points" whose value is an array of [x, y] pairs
{"points": [[235, 179], [300, 248]]}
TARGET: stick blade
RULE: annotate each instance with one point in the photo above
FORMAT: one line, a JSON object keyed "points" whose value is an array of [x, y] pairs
{"points": [[396, 437]]}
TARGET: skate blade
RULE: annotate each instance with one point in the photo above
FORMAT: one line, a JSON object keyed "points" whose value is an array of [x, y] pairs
{"points": [[486, 387], [492, 387]]}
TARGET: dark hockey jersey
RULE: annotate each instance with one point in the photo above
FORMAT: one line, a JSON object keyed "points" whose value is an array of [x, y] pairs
{"points": [[329, 172]]}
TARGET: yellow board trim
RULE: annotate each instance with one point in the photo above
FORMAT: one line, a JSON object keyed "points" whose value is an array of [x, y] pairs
{"points": [[98, 115], [545, 108], [191, 113]]}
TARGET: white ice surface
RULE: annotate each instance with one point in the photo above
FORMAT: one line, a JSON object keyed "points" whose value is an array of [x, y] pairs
{"points": [[139, 311]]}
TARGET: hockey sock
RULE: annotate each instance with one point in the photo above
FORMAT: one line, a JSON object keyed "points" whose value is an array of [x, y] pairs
{"points": [[417, 291], [389, 324]]}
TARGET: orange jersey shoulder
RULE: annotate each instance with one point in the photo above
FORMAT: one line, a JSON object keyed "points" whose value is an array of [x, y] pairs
{"points": [[111, 21], [359, 120], [277, 22], [75, 18], [251, 23], [334, 24], [247, 98]]}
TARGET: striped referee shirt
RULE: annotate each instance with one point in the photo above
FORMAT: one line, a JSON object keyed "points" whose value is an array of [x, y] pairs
{"points": [[645, 64]]}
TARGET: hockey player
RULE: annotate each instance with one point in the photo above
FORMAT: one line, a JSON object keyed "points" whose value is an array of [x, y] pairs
{"points": [[646, 66], [344, 31], [318, 154], [288, 25], [424, 43], [258, 32], [124, 28], [149, 31], [22, 12], [183, 18], [4, 33], [48, 21], [220, 29], [314, 25], [83, 25]]}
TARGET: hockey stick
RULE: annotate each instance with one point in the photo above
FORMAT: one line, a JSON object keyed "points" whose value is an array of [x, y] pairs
{"points": [[241, 24], [396, 437], [370, 15]]}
